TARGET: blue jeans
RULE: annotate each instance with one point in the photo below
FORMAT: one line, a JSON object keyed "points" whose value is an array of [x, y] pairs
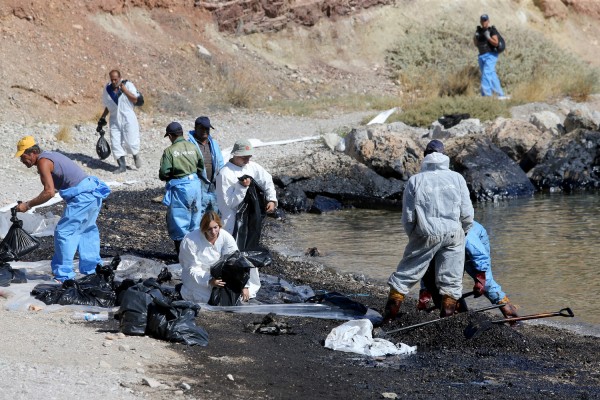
{"points": [[209, 199], [490, 83]]}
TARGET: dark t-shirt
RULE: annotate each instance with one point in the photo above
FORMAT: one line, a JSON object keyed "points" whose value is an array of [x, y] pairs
{"points": [[482, 43]]}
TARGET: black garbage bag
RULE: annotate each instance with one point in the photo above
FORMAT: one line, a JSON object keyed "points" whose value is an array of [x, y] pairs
{"points": [[91, 290], [450, 120], [234, 269], [17, 242], [259, 257], [249, 218], [339, 300], [102, 146], [133, 311], [9, 275], [175, 322]]}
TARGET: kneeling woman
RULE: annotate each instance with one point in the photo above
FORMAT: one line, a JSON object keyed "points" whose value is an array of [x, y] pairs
{"points": [[202, 248]]}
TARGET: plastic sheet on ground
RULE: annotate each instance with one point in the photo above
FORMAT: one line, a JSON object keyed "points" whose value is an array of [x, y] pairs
{"points": [[356, 337], [382, 116]]}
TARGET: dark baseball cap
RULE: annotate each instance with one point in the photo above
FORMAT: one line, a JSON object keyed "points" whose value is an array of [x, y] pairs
{"points": [[484, 17], [174, 128], [435, 146], [204, 121]]}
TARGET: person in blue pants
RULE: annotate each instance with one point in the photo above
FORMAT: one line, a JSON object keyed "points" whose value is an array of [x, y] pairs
{"points": [[76, 231], [181, 166], [213, 162], [486, 40], [478, 264]]}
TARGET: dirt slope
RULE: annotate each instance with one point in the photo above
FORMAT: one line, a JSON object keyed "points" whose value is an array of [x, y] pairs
{"points": [[55, 55]]}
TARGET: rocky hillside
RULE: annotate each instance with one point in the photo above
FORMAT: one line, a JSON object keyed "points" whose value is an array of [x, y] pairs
{"points": [[188, 55]]}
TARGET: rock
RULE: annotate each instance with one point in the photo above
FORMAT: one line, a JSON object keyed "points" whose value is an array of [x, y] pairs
{"points": [[293, 199], [184, 386], [153, 383], [140, 370], [389, 395], [230, 377], [104, 364], [331, 140], [389, 153], [579, 119], [323, 204], [521, 141], [123, 347], [552, 9], [490, 174], [571, 162], [203, 53], [547, 121]]}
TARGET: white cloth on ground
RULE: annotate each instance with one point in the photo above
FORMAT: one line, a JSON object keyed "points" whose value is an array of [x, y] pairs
{"points": [[356, 337]]}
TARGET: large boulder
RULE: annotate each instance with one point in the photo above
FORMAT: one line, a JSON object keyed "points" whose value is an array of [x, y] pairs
{"points": [[489, 172], [547, 121], [335, 175], [391, 154], [521, 141], [579, 119], [470, 126], [572, 162]]}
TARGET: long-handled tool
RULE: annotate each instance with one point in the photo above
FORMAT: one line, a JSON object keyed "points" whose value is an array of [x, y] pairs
{"points": [[406, 328], [475, 329]]}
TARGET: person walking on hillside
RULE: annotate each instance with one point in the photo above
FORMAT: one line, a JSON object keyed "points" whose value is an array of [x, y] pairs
{"points": [[76, 230], [478, 264], [119, 98], [486, 40], [181, 166], [436, 214], [213, 162]]}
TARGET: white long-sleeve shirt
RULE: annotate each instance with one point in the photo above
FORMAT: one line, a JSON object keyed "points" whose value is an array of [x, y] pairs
{"points": [[196, 256], [230, 193]]}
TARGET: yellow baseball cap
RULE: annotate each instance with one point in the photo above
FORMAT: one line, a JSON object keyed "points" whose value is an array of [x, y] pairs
{"points": [[24, 144]]}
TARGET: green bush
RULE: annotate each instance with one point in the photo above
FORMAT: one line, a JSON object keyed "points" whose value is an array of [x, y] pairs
{"points": [[441, 60], [425, 112]]}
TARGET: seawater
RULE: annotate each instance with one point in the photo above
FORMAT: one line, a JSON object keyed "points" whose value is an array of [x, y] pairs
{"points": [[545, 252]]}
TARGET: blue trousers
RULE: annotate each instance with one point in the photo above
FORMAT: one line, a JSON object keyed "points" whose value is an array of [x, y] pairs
{"points": [[77, 231], [490, 83], [183, 197], [209, 199]]}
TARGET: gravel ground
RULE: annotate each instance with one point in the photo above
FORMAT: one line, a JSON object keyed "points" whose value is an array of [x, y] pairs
{"points": [[49, 355]]}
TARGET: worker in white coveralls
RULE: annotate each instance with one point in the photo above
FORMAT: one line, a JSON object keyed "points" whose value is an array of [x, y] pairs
{"points": [[119, 98], [233, 182]]}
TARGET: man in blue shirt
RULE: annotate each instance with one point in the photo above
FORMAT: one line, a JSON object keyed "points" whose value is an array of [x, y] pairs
{"points": [[213, 161]]}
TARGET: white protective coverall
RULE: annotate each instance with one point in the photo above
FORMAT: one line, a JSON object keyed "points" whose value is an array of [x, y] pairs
{"points": [[196, 256], [436, 214], [230, 193], [124, 126]]}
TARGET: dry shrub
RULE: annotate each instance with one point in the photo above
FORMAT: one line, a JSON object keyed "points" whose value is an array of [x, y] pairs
{"points": [[464, 82], [237, 86], [64, 133], [328, 104]]}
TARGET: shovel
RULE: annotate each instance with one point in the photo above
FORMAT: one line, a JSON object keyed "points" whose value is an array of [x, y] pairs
{"points": [[475, 329], [406, 328]]}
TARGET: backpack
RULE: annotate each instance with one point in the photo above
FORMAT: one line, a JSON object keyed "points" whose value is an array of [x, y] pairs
{"points": [[501, 43], [140, 99]]}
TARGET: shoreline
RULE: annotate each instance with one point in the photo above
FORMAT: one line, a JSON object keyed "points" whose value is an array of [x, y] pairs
{"points": [[297, 366]]}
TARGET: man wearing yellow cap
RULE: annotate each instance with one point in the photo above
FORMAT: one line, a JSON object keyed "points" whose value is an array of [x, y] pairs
{"points": [[77, 230]]}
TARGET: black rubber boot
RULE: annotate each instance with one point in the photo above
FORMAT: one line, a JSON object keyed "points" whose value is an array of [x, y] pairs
{"points": [[137, 161], [122, 166], [177, 244]]}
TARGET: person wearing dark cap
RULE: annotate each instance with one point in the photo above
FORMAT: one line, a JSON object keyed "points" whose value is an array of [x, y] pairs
{"points": [[213, 161], [486, 40], [181, 166], [436, 215]]}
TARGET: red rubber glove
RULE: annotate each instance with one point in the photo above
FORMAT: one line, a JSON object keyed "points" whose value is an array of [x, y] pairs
{"points": [[479, 287]]}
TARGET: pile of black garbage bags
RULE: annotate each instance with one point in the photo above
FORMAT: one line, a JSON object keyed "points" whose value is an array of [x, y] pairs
{"points": [[146, 307]]}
